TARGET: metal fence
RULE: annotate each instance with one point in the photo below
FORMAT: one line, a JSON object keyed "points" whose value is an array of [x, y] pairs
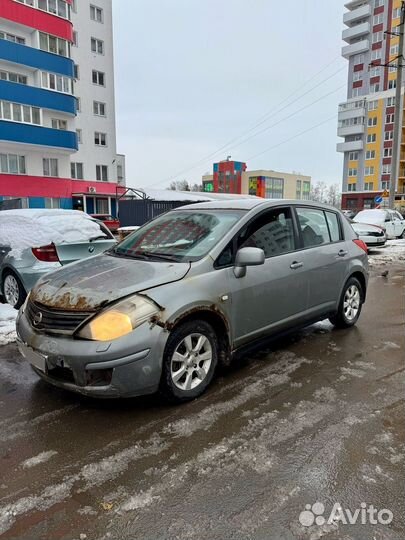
{"points": [[138, 212], [11, 204]]}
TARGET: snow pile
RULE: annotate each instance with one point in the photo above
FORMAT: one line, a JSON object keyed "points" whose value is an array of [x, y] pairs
{"points": [[393, 252], [22, 229], [7, 324]]}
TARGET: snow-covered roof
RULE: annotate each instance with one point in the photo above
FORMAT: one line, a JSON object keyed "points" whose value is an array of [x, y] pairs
{"points": [[192, 196]]}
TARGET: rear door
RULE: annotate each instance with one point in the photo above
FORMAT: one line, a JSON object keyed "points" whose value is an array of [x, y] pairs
{"points": [[399, 223], [272, 296], [324, 256]]}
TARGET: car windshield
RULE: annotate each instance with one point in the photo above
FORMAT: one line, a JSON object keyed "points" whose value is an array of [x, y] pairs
{"points": [[179, 236]]}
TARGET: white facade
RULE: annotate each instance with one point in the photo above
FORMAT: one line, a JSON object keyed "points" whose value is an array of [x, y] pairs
{"points": [[96, 102]]}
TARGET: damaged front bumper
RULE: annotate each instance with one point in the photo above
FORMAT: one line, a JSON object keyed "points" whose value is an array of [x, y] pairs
{"points": [[126, 367]]}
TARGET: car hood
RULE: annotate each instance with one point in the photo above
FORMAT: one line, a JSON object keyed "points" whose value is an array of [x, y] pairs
{"points": [[364, 227], [92, 283]]}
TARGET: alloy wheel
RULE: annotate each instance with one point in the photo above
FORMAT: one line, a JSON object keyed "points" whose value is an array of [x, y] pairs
{"points": [[11, 290], [351, 303], [191, 361]]}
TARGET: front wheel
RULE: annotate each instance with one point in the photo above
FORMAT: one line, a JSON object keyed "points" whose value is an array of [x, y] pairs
{"points": [[189, 361], [350, 305], [13, 290]]}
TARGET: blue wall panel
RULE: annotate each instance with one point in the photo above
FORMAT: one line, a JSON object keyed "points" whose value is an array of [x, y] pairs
{"points": [[37, 97], [29, 134], [29, 56], [66, 204], [37, 202]]}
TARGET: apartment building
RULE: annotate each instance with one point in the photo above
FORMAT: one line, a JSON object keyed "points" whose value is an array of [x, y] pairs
{"points": [[366, 119], [57, 105]]}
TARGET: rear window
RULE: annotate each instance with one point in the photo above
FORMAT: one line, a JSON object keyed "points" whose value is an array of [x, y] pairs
{"points": [[318, 226]]}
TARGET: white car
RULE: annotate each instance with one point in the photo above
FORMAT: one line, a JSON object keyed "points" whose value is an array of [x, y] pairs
{"points": [[372, 235], [390, 220]]}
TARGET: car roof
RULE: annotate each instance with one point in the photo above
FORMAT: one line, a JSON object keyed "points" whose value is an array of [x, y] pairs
{"points": [[41, 212], [250, 204]]}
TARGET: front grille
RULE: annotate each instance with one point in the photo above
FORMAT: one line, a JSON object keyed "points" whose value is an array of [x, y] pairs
{"points": [[377, 234], [45, 319]]}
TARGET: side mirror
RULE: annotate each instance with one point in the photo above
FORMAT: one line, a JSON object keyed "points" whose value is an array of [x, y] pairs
{"points": [[248, 256]]}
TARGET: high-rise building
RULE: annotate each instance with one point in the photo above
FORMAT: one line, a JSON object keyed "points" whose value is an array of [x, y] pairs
{"points": [[366, 119], [57, 107]]}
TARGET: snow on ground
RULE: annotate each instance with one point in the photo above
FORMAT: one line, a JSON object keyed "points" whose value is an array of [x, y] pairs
{"points": [[7, 324], [393, 252]]}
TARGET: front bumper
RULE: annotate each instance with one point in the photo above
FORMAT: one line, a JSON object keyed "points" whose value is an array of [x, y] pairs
{"points": [[126, 367]]}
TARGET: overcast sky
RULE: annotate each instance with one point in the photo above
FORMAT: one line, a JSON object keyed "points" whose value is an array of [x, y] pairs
{"points": [[192, 75]]}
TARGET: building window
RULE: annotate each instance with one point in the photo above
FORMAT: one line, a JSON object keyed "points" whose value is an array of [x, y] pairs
{"points": [[370, 154], [75, 39], [358, 59], [391, 102], [13, 77], [102, 173], [392, 84], [394, 50], [76, 171], [298, 190], [353, 156], [99, 108], [356, 92], [351, 187], [53, 44], [388, 135], [385, 184], [374, 88], [56, 83], [306, 190], [96, 14], [352, 172], [15, 112], [56, 7], [76, 72], [357, 76], [378, 19], [373, 105], [78, 104], [12, 37], [74, 6], [100, 139], [50, 167], [386, 169], [387, 152], [378, 36], [368, 186], [97, 45], [79, 134], [378, 3], [98, 78], [368, 171], [371, 138], [375, 71], [372, 121], [389, 119], [396, 12], [59, 124], [52, 202], [120, 174], [12, 164]]}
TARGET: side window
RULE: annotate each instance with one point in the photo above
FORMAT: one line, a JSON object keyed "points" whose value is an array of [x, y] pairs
{"points": [[273, 232], [314, 229], [334, 229]]}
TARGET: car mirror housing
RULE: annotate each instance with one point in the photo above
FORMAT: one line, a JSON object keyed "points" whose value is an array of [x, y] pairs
{"points": [[248, 256]]}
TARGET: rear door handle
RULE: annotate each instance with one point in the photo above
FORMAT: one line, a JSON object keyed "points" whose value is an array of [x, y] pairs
{"points": [[342, 253], [295, 265]]}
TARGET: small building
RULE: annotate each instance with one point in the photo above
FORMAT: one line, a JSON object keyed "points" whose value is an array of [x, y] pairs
{"points": [[233, 177]]}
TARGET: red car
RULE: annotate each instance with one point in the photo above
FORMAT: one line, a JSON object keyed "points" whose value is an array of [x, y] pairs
{"points": [[110, 222]]}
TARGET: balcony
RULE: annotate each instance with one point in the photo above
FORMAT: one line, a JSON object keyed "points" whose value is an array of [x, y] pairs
{"points": [[356, 48], [356, 13], [35, 58], [356, 31], [357, 129], [38, 136], [352, 113], [350, 146], [38, 97]]}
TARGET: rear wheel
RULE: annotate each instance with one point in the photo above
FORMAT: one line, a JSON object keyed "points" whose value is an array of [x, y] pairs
{"points": [[189, 361], [13, 290], [350, 305]]}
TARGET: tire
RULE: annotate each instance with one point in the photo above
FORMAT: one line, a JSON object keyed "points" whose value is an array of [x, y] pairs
{"points": [[350, 305], [402, 235], [13, 290], [189, 361]]}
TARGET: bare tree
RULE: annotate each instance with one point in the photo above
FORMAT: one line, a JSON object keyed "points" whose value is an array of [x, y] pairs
{"points": [[318, 192], [181, 185], [334, 196]]}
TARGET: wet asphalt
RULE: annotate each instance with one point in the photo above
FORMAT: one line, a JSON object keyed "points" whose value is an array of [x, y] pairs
{"points": [[316, 417]]}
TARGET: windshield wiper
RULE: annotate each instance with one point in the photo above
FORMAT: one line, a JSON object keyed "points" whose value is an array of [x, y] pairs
{"points": [[160, 256]]}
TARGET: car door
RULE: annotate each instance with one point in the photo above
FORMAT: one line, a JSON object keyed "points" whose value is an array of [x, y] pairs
{"points": [[272, 296], [324, 256], [399, 223], [389, 224]]}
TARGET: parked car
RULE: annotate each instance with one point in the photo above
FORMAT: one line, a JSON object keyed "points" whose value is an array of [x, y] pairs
{"points": [[372, 235], [189, 290], [34, 242], [109, 221], [390, 220]]}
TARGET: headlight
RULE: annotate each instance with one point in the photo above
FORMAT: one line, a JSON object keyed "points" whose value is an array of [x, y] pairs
{"points": [[120, 319]]}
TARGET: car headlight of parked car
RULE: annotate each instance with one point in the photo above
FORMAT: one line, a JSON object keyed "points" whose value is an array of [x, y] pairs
{"points": [[119, 319]]}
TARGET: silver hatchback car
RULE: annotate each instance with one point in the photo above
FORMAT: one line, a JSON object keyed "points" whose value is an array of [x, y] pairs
{"points": [[187, 291]]}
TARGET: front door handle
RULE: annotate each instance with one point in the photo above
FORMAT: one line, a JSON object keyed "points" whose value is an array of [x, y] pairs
{"points": [[342, 253], [295, 265]]}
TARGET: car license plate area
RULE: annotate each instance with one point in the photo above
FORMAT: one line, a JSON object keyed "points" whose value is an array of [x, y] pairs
{"points": [[35, 359]]}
